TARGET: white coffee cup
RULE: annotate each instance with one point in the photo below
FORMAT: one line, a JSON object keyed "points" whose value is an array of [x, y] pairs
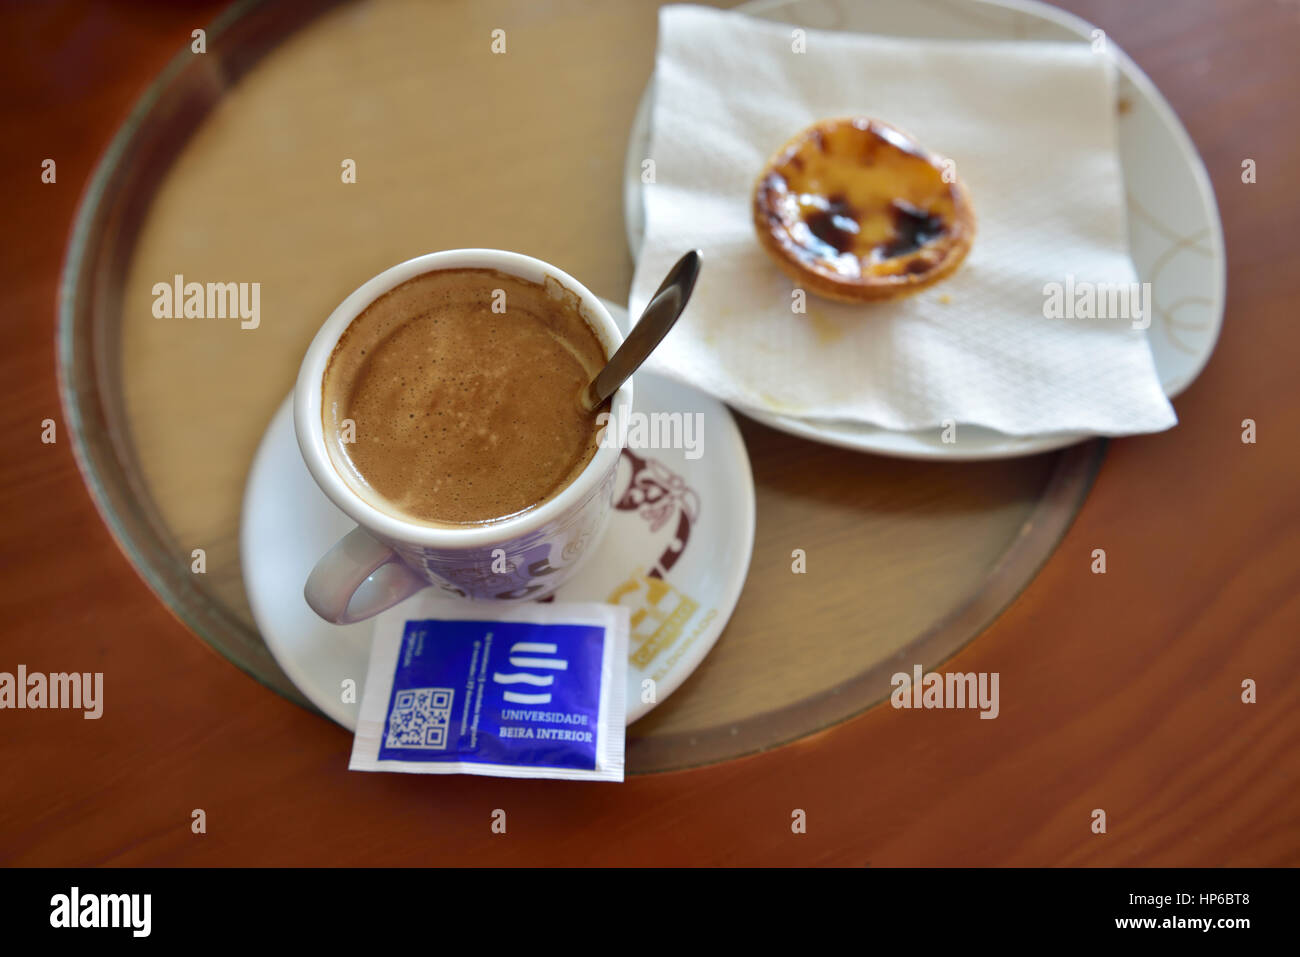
{"points": [[387, 558]]}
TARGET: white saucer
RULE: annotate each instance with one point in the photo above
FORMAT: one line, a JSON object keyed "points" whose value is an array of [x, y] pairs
{"points": [[1175, 237], [677, 552]]}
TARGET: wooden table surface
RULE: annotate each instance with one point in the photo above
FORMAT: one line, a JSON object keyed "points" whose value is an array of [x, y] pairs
{"points": [[1120, 691]]}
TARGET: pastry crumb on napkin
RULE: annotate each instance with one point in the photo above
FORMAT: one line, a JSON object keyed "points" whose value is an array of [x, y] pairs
{"points": [[1031, 129]]}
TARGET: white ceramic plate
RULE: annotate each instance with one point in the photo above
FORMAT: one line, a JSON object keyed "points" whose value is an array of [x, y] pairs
{"points": [[1175, 236], [676, 553]]}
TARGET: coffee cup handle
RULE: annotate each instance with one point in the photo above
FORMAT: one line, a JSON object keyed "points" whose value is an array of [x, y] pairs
{"points": [[334, 582]]}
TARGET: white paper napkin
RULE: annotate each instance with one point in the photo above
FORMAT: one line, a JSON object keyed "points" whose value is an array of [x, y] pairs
{"points": [[1031, 128]]}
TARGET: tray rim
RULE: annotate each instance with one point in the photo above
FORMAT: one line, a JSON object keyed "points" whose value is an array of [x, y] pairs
{"points": [[84, 364]]}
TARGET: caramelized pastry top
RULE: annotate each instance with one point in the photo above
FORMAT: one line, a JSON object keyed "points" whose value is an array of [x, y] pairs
{"points": [[862, 205]]}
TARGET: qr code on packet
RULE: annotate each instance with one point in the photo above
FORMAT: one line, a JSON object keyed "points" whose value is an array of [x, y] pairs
{"points": [[420, 719]]}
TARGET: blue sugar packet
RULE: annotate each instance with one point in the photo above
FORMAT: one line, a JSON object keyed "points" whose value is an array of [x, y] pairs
{"points": [[530, 691]]}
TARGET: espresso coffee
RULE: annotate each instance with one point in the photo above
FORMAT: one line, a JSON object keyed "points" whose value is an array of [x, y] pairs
{"points": [[463, 389]]}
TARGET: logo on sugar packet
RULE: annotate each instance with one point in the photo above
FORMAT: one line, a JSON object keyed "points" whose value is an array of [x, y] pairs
{"points": [[524, 654], [481, 691]]}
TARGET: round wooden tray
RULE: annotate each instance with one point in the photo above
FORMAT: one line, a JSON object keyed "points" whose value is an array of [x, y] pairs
{"points": [[230, 169]]}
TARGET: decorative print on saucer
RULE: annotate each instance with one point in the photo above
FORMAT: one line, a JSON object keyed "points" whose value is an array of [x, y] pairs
{"points": [[659, 496]]}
